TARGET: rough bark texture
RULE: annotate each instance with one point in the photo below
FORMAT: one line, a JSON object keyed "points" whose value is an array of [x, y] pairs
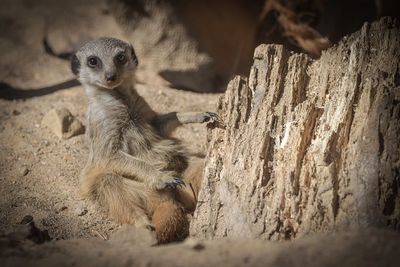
{"points": [[308, 145]]}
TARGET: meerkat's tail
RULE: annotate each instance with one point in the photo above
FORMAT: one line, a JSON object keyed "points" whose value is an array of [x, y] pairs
{"points": [[170, 221], [170, 217]]}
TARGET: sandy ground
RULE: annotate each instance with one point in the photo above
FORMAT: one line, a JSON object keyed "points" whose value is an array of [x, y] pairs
{"points": [[357, 248]]}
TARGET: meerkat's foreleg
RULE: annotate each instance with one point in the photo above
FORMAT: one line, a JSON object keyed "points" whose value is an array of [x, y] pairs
{"points": [[166, 123], [129, 166]]}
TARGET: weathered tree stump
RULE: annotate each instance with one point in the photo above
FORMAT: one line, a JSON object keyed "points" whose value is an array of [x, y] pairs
{"points": [[308, 145]]}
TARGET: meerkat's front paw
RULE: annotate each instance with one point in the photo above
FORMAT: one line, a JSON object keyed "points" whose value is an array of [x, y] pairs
{"points": [[170, 183], [210, 116], [213, 120]]}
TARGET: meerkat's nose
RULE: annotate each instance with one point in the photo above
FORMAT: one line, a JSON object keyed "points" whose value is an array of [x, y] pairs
{"points": [[111, 77]]}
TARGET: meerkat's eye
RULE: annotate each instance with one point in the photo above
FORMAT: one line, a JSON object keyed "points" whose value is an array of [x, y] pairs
{"points": [[120, 58], [92, 61]]}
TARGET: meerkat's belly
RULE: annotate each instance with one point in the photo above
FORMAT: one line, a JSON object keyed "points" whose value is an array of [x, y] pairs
{"points": [[163, 153]]}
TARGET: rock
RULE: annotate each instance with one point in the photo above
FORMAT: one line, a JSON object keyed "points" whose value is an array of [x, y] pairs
{"points": [[24, 171], [81, 210], [61, 208], [62, 123], [27, 229], [194, 244], [27, 219]]}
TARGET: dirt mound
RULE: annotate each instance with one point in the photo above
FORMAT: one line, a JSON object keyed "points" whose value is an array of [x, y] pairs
{"points": [[356, 248]]}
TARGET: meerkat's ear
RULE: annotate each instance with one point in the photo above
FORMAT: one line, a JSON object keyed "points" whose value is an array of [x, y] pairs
{"points": [[75, 64], [133, 55]]}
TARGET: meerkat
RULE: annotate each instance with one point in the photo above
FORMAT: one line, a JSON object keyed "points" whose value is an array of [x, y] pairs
{"points": [[134, 169]]}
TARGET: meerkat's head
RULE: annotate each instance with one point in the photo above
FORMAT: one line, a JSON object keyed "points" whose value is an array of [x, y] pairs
{"points": [[104, 62]]}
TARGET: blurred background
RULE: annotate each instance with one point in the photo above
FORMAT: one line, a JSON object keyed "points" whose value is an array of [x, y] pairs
{"points": [[186, 44]]}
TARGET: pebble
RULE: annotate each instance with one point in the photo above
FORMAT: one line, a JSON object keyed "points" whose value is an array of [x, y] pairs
{"points": [[60, 209], [194, 244], [27, 219], [62, 123], [63, 208], [24, 171], [134, 235], [80, 211]]}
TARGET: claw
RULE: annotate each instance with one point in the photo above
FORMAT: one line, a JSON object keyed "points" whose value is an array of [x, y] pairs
{"points": [[150, 227], [180, 182], [174, 184], [210, 116], [214, 120]]}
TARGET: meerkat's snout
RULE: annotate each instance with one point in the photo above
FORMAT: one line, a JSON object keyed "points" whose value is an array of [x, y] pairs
{"points": [[110, 77]]}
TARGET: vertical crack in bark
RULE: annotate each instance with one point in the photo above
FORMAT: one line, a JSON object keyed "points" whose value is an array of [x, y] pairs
{"points": [[282, 70], [305, 142]]}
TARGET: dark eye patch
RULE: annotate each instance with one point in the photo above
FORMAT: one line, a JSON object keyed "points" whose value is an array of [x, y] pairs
{"points": [[75, 64], [121, 58], [93, 61]]}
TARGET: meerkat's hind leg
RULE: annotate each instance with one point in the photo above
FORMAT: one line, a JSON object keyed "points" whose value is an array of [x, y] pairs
{"points": [[131, 202], [126, 200]]}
